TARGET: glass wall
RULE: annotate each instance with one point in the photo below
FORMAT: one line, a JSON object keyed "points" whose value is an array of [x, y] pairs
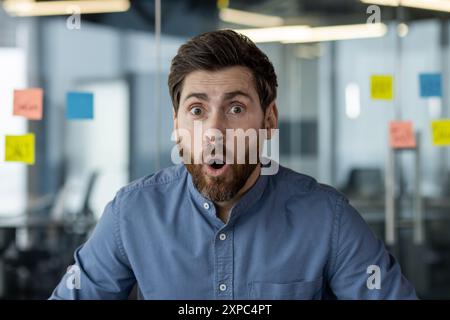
{"points": [[330, 128]]}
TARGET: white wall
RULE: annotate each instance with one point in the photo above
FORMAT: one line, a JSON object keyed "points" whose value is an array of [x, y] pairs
{"points": [[13, 186]]}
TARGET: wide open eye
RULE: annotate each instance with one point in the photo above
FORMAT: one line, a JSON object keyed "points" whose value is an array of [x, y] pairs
{"points": [[196, 111], [236, 109]]}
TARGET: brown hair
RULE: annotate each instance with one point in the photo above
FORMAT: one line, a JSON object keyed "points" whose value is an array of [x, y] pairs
{"points": [[217, 50]]}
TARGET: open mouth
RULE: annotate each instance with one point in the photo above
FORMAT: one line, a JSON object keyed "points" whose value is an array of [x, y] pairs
{"points": [[216, 163], [215, 166]]}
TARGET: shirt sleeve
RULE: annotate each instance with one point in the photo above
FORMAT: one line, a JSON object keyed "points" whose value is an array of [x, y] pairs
{"points": [[101, 269], [361, 267]]}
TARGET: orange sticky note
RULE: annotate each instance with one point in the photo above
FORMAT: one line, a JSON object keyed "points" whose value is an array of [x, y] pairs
{"points": [[402, 135], [28, 103]]}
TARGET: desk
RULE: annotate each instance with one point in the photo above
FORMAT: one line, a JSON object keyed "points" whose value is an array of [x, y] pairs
{"points": [[35, 251]]}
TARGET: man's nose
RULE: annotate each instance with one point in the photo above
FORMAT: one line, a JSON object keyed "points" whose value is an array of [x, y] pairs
{"points": [[214, 127]]}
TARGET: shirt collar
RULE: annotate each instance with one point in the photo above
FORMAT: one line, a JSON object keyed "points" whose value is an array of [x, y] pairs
{"points": [[249, 198]]}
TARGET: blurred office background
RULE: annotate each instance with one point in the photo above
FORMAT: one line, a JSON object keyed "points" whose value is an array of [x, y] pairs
{"points": [[330, 128]]}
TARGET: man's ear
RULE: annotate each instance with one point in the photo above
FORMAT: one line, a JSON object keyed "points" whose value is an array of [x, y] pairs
{"points": [[271, 119], [174, 116], [175, 126]]}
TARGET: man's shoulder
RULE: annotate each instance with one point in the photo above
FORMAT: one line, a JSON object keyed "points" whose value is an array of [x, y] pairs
{"points": [[304, 184], [149, 194], [157, 180], [320, 204]]}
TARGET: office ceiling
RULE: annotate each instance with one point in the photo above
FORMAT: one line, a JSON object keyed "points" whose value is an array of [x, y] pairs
{"points": [[190, 17]]}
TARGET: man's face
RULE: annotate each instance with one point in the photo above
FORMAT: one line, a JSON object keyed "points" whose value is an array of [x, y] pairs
{"points": [[219, 100]]}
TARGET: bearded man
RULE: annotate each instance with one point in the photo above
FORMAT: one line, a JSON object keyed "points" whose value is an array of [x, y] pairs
{"points": [[226, 224]]}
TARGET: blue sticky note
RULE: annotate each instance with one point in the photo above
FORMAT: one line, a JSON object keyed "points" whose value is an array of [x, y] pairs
{"points": [[430, 84], [80, 105]]}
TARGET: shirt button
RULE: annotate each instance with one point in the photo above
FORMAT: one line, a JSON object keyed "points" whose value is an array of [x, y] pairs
{"points": [[206, 205], [223, 287], [222, 236]]}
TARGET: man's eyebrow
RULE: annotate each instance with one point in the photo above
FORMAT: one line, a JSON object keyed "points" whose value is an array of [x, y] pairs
{"points": [[232, 94], [227, 96], [198, 95]]}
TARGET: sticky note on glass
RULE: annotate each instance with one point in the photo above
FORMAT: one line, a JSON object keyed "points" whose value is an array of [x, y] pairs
{"points": [[28, 103], [20, 148], [381, 87], [79, 105], [441, 132], [430, 85], [401, 135]]}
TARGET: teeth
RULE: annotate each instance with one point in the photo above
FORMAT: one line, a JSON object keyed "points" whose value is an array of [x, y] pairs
{"points": [[217, 166], [215, 161]]}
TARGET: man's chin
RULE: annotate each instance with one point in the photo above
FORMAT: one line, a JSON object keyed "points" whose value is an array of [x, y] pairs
{"points": [[221, 184]]}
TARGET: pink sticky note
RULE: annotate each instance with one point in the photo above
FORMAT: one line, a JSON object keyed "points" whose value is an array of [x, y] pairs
{"points": [[402, 135], [28, 103]]}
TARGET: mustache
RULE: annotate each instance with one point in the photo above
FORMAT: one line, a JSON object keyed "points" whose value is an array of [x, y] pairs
{"points": [[211, 154]]}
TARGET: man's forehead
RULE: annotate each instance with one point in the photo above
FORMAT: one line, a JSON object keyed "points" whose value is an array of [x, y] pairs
{"points": [[219, 82]]}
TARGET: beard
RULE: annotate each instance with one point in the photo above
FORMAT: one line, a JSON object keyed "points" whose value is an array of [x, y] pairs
{"points": [[227, 185], [221, 188]]}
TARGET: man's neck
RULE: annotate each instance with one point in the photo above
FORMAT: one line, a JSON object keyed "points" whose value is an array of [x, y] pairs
{"points": [[223, 208]]}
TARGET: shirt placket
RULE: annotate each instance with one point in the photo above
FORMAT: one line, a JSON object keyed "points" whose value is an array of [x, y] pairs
{"points": [[223, 245]]}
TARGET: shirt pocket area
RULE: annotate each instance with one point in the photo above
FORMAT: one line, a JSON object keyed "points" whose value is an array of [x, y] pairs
{"points": [[299, 290]]}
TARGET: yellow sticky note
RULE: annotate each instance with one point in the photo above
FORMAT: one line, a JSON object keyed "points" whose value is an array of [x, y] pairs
{"points": [[20, 148], [441, 132], [381, 87]]}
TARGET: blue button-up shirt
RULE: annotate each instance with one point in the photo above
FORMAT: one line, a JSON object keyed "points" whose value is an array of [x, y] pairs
{"points": [[288, 237]]}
